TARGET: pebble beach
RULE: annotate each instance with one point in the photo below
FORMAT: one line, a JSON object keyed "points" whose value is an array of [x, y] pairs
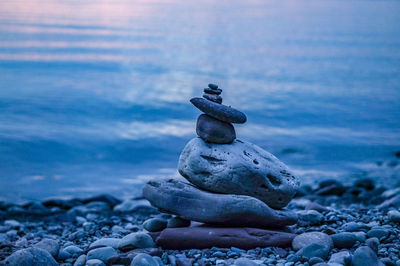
{"points": [[353, 225]]}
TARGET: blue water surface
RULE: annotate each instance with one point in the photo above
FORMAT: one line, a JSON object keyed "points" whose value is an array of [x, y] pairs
{"points": [[94, 95]]}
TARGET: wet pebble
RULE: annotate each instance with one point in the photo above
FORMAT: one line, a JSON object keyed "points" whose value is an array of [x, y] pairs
{"points": [[310, 217], [101, 253], [244, 262], [394, 216], [143, 259], [63, 255], [308, 238], [73, 250], [136, 240], [49, 245], [379, 233], [177, 222], [107, 241], [365, 256], [373, 243], [314, 250], [94, 262], [80, 261], [155, 224], [342, 257], [344, 240], [31, 257]]}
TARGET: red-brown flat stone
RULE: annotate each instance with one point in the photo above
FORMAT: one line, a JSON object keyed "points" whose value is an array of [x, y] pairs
{"points": [[222, 237]]}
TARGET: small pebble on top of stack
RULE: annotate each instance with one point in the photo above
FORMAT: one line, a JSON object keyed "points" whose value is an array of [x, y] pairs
{"points": [[212, 93], [231, 183]]}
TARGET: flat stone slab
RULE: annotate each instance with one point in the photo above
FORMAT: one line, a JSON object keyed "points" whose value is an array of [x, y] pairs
{"points": [[189, 202], [207, 237], [238, 168], [219, 111]]}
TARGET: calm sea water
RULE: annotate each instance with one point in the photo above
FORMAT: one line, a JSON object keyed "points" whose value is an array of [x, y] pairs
{"points": [[94, 95]]}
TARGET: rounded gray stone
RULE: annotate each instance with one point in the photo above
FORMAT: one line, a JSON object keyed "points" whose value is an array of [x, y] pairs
{"points": [[215, 131], [379, 233], [143, 259], [310, 217], [177, 222], [49, 245], [101, 253], [315, 260], [344, 240], [245, 262], [365, 256], [219, 111], [314, 250], [95, 262], [109, 242], [63, 255], [373, 243], [136, 240], [342, 257], [189, 202], [361, 236], [308, 238], [80, 261], [394, 216], [30, 257], [155, 224], [73, 250], [240, 168]]}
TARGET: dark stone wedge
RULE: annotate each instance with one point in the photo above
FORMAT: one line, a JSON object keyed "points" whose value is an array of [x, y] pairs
{"points": [[211, 91], [219, 111], [213, 97]]}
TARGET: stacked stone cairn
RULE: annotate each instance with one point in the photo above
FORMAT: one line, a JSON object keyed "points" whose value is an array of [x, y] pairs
{"points": [[236, 190]]}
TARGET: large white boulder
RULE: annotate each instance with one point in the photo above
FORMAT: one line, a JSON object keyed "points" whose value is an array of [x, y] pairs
{"points": [[240, 168]]}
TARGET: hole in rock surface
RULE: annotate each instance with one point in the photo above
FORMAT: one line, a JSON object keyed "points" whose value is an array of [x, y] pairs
{"points": [[274, 180]]}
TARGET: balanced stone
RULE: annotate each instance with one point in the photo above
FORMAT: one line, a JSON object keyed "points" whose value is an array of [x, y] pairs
{"points": [[185, 200], [213, 97], [219, 111], [206, 237], [239, 168], [212, 91], [213, 86], [215, 131]]}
